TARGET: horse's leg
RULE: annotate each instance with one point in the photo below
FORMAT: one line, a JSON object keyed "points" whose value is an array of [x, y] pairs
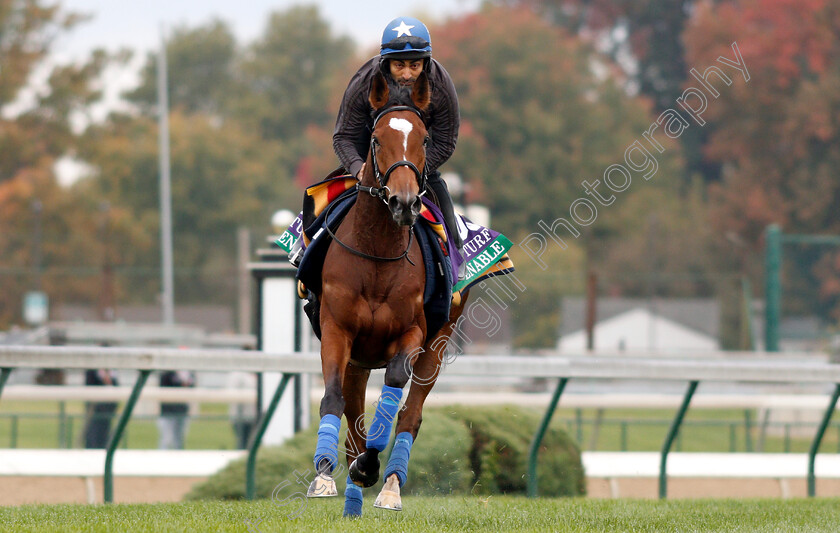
{"points": [[407, 426], [365, 469], [355, 382], [424, 373], [335, 353]]}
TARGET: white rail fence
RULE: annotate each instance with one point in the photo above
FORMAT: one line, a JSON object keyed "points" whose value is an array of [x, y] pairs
{"points": [[736, 367]]}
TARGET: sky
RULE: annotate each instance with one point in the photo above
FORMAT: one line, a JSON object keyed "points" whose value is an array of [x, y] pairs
{"points": [[137, 24]]}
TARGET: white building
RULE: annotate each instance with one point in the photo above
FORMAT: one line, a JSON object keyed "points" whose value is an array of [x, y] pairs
{"points": [[631, 326]]}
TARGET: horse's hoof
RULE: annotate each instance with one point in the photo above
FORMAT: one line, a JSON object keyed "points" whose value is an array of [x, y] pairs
{"points": [[388, 499], [323, 486], [364, 479]]}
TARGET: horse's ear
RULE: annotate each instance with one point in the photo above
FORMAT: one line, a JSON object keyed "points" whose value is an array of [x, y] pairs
{"points": [[378, 91], [421, 93]]}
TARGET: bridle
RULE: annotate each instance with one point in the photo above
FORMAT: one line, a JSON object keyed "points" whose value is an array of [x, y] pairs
{"points": [[383, 192]]}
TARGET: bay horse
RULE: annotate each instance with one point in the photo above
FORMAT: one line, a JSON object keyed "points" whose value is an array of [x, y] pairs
{"points": [[373, 281]]}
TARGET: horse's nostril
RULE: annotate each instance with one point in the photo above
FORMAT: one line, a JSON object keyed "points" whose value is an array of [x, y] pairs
{"points": [[404, 213], [416, 205], [395, 205]]}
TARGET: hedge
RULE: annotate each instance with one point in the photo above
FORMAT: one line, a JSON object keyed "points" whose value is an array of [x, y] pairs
{"points": [[459, 450]]}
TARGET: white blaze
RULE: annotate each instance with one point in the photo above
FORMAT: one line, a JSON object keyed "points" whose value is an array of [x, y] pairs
{"points": [[401, 124]]}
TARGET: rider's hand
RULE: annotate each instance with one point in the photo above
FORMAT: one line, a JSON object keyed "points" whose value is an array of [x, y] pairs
{"points": [[361, 172]]}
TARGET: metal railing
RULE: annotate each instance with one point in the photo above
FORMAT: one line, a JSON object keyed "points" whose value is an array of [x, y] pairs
{"points": [[732, 435], [69, 429], [747, 367]]}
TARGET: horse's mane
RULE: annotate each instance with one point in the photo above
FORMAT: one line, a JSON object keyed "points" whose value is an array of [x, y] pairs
{"points": [[398, 96]]}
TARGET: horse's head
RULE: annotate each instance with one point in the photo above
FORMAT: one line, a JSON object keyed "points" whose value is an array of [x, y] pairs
{"points": [[398, 146]]}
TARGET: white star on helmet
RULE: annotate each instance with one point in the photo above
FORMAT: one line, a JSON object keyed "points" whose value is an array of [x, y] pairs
{"points": [[403, 29]]}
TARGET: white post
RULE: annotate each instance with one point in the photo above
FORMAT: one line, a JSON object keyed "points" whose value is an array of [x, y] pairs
{"points": [[278, 335]]}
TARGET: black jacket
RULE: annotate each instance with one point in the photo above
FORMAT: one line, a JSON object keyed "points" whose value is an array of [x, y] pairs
{"points": [[351, 138], [175, 379], [97, 378]]}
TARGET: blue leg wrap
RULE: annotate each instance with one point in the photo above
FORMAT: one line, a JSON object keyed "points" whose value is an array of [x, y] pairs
{"points": [[352, 499], [379, 433], [398, 462], [327, 447]]}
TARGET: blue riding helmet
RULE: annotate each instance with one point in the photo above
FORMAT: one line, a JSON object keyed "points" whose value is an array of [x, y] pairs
{"points": [[406, 38]]}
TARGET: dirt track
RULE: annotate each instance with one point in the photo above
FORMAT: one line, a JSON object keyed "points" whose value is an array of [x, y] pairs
{"points": [[712, 488], [19, 490]]}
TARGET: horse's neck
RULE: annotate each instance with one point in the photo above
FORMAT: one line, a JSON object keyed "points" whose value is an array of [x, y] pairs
{"points": [[374, 230]]}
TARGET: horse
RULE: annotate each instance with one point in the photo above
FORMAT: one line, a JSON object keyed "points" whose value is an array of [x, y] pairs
{"points": [[373, 280]]}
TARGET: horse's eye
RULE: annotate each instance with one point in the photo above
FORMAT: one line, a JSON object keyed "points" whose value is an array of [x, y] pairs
{"points": [[375, 141], [426, 141]]}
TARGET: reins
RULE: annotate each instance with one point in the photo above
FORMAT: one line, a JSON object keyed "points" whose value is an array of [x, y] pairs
{"points": [[383, 191], [363, 254]]}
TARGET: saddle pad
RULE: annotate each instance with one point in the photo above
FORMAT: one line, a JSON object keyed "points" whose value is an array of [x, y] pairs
{"points": [[485, 252], [437, 297], [309, 271]]}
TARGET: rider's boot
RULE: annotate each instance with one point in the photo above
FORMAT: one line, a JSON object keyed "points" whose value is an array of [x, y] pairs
{"points": [[444, 202]]}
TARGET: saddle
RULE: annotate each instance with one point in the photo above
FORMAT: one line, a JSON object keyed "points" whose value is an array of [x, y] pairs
{"points": [[325, 205]]}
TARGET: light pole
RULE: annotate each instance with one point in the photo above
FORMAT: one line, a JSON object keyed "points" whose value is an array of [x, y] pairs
{"points": [[165, 188], [106, 296]]}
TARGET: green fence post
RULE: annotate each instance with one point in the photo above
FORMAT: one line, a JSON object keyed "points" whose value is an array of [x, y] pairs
{"points": [[772, 286], [748, 444], [669, 440], [624, 435], [733, 439], [69, 442], [108, 478], [62, 423], [4, 376], [787, 438], [13, 438], [815, 445], [748, 335], [256, 438], [538, 437]]}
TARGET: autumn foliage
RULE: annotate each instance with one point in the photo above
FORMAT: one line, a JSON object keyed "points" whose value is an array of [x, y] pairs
{"points": [[778, 137], [551, 94]]}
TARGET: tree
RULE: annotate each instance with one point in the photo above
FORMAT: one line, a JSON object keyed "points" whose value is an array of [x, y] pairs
{"points": [[650, 30], [31, 140], [37, 135], [537, 122], [644, 38], [779, 134], [288, 75], [201, 63], [58, 240], [27, 30], [238, 128], [223, 177], [536, 312]]}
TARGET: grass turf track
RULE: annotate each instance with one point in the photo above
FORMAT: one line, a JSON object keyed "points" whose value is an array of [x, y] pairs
{"points": [[433, 514]]}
